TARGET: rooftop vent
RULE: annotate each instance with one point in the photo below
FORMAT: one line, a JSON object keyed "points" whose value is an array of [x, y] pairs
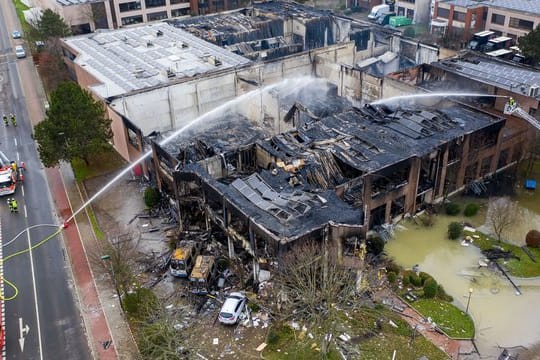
{"points": [[214, 60], [149, 43], [159, 33], [533, 90]]}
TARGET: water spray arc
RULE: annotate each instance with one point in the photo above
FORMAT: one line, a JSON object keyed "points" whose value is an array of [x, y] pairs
{"points": [[294, 83], [396, 99]]}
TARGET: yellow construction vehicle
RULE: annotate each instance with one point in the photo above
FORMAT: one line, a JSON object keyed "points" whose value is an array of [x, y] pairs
{"points": [[203, 274]]}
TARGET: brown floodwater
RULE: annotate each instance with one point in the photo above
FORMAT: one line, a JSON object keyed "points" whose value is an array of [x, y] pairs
{"points": [[502, 318]]}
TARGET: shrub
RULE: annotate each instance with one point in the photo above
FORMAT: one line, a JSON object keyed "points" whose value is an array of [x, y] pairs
{"points": [[441, 294], [406, 279], [415, 280], [424, 276], [471, 209], [151, 197], [392, 276], [430, 288], [454, 230], [427, 220], [452, 209], [533, 238]]}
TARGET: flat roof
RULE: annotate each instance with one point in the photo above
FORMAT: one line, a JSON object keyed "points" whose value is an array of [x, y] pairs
{"points": [[500, 39], [499, 52], [140, 57], [505, 75], [76, 2], [526, 6]]}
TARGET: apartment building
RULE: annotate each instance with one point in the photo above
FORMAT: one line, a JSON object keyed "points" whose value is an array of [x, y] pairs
{"points": [[86, 16], [507, 18]]}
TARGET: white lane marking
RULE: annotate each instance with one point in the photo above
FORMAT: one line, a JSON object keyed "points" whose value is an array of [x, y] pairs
{"points": [[3, 305], [35, 293], [15, 139], [22, 190], [23, 331], [25, 212], [18, 158]]}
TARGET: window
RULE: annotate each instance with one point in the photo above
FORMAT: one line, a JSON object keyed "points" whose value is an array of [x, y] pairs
{"points": [[411, 1], [401, 11], [443, 13], [174, 2], [497, 19], [521, 24], [459, 16], [129, 6], [154, 3], [180, 12], [410, 13], [157, 16], [497, 32], [132, 20]]}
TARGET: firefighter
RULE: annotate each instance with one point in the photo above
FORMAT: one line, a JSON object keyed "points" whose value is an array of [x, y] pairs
{"points": [[14, 205], [14, 166], [5, 120], [13, 119], [511, 101]]}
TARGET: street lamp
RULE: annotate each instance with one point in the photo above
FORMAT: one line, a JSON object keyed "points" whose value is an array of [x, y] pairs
{"points": [[468, 300], [108, 257]]}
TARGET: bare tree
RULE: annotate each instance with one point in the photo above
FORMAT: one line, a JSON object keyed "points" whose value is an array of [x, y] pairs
{"points": [[502, 214], [313, 287]]}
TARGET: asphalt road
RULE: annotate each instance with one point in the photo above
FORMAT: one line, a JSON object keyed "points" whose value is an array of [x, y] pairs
{"points": [[42, 321]]}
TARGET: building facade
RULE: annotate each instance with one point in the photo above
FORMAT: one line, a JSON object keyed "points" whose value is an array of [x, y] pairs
{"points": [[507, 18]]}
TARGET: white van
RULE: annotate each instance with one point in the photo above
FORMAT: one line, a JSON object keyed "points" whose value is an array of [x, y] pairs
{"points": [[377, 11], [19, 51]]}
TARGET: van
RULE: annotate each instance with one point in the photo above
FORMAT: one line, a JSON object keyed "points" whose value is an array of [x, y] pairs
{"points": [[504, 54], [377, 11], [19, 51], [480, 39], [203, 274], [183, 258], [501, 42]]}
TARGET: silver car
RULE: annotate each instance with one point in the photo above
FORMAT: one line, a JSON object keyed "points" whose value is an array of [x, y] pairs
{"points": [[232, 308], [19, 51]]}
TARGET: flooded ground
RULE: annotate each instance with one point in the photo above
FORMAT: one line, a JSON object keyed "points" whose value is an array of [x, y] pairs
{"points": [[502, 318]]}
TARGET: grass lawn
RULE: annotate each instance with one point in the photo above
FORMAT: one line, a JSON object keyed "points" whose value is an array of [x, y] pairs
{"points": [[454, 322], [100, 164], [524, 267], [370, 342]]}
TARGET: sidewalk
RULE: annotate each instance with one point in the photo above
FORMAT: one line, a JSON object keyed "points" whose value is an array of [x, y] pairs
{"points": [[100, 309], [104, 318]]}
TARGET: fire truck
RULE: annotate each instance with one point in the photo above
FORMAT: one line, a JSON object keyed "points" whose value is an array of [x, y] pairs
{"points": [[10, 174]]}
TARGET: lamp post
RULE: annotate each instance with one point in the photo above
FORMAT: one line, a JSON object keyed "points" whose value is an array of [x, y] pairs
{"points": [[468, 300], [108, 258]]}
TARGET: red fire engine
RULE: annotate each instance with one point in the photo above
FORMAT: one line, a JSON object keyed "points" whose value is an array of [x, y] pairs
{"points": [[10, 173]]}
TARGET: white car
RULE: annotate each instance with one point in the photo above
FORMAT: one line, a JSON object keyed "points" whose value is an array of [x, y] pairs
{"points": [[16, 34], [19, 51], [232, 308]]}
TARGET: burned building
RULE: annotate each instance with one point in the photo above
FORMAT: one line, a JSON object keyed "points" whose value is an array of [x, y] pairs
{"points": [[338, 172]]}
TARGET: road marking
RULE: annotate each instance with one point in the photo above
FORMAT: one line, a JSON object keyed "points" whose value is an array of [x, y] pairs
{"points": [[15, 139], [22, 190], [25, 213], [18, 158], [2, 289], [32, 271], [23, 331]]}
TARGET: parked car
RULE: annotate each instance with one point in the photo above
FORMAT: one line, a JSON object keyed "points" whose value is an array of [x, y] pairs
{"points": [[397, 21], [19, 51], [16, 34], [232, 308]]}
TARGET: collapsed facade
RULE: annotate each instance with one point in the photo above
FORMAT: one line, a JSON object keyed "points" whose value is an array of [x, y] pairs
{"points": [[337, 173]]}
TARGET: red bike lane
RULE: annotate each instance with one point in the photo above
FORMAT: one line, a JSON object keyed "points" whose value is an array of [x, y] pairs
{"points": [[91, 308]]}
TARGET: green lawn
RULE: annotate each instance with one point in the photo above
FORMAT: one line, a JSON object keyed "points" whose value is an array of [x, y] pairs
{"points": [[103, 163], [454, 322], [524, 267], [366, 338]]}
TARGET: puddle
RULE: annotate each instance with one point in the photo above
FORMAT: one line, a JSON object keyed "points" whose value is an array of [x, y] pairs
{"points": [[501, 318]]}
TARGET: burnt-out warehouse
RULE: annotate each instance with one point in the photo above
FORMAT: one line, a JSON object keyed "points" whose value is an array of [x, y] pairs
{"points": [[336, 173]]}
